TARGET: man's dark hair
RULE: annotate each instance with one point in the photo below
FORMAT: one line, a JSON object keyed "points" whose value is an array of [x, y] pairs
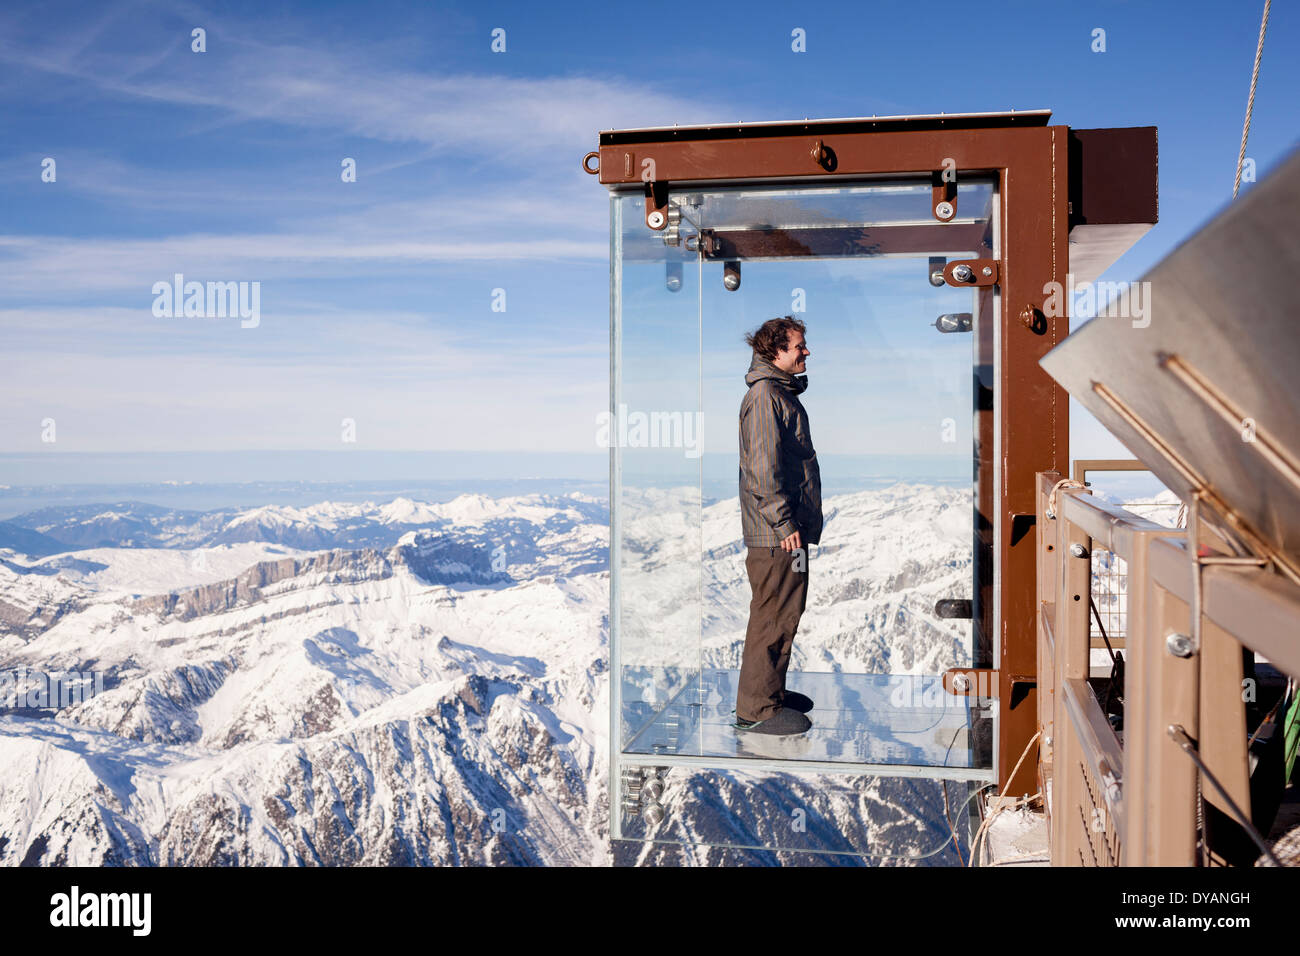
{"points": [[773, 336]]}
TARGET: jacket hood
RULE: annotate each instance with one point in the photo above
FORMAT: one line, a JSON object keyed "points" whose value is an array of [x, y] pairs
{"points": [[760, 368]]}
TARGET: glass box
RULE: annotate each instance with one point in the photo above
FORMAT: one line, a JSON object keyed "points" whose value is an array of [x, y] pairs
{"points": [[900, 400]]}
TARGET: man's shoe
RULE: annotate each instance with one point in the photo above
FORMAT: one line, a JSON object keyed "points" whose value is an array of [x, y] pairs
{"points": [[797, 701], [784, 723]]}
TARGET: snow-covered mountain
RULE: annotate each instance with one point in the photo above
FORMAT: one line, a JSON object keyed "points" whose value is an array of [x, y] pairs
{"points": [[417, 683], [133, 524]]}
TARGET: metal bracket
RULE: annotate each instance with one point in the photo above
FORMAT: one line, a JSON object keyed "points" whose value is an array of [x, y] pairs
{"points": [[971, 272], [633, 778], [954, 608], [943, 197], [643, 789], [706, 242], [971, 681], [656, 205]]}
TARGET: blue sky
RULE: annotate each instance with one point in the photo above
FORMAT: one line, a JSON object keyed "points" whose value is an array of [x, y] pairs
{"points": [[376, 296]]}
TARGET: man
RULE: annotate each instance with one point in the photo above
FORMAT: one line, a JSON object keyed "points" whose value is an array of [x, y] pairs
{"points": [[781, 514]]}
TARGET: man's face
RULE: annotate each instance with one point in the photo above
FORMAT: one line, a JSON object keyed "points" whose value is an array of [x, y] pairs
{"points": [[792, 359]]}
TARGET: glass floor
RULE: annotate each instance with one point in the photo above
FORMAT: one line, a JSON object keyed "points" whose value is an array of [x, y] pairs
{"points": [[896, 722]]}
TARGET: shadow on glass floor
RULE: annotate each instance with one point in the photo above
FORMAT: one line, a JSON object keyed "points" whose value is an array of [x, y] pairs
{"points": [[880, 719]]}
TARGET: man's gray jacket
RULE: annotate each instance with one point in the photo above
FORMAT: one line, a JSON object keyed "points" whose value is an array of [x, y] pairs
{"points": [[780, 482]]}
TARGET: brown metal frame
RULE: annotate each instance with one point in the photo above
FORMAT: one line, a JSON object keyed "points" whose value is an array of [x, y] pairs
{"points": [[1084, 465], [1029, 160]]}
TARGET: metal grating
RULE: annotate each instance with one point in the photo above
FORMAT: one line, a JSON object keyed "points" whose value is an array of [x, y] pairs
{"points": [[1101, 839]]}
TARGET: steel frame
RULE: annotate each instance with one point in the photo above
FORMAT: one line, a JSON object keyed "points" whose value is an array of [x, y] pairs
{"points": [[1030, 164]]}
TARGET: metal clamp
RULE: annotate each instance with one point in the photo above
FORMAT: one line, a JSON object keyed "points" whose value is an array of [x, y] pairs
{"points": [[971, 272]]}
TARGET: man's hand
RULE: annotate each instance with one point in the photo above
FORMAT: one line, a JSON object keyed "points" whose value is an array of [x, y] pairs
{"points": [[792, 543]]}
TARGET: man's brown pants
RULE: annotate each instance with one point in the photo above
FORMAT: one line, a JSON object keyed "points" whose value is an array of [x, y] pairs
{"points": [[780, 594]]}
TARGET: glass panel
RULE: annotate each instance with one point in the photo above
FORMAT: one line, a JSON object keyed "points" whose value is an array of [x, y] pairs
{"points": [[901, 409], [899, 821], [654, 431], [892, 407], [859, 718]]}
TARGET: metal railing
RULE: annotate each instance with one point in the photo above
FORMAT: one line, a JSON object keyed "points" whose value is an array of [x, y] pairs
{"points": [[1109, 625], [1137, 796]]}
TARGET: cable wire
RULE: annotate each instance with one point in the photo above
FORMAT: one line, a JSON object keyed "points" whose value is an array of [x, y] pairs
{"points": [[1250, 103]]}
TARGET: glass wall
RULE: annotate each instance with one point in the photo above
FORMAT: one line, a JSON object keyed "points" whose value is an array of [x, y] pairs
{"points": [[876, 820], [900, 404], [655, 422]]}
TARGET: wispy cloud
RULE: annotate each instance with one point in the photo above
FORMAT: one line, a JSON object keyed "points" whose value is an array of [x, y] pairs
{"points": [[503, 152], [56, 268], [484, 117], [226, 167]]}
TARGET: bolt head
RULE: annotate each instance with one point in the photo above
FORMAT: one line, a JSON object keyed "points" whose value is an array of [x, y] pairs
{"points": [[655, 219], [943, 210], [1078, 550], [1180, 645]]}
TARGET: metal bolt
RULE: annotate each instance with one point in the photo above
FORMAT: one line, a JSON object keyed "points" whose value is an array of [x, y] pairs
{"points": [[655, 220], [963, 273], [1180, 645], [953, 322], [987, 270], [653, 814], [653, 789], [731, 276], [1047, 741], [944, 210], [1078, 550]]}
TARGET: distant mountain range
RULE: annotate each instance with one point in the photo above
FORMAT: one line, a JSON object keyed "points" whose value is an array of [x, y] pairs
{"points": [[415, 683]]}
